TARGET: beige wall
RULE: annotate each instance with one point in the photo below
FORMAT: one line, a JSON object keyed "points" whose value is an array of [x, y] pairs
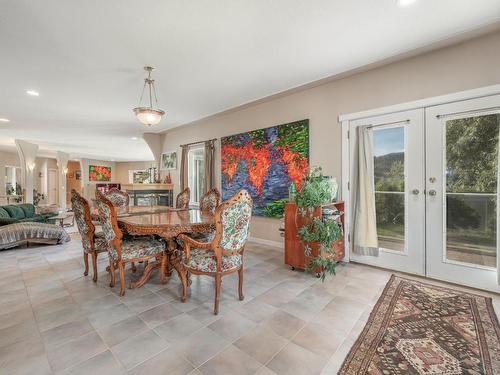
{"points": [[71, 181], [472, 64], [122, 169]]}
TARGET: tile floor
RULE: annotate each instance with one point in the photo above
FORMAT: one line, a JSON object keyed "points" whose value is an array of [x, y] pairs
{"points": [[54, 320]]}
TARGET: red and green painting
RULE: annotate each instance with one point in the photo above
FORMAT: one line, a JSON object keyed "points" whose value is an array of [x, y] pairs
{"points": [[265, 162], [99, 173]]}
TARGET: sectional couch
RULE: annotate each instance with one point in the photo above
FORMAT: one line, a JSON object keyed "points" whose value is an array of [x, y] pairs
{"points": [[22, 213]]}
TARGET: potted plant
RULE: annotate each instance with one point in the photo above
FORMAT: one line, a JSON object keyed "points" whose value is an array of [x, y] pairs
{"points": [[317, 232], [37, 197]]}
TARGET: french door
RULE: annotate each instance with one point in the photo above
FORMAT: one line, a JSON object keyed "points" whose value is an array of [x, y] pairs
{"points": [[398, 153], [462, 192], [436, 182]]}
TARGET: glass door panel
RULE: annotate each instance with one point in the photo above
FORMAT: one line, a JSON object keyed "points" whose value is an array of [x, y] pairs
{"points": [[471, 189], [389, 174]]}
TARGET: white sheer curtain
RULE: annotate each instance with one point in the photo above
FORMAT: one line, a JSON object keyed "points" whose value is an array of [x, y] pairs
{"points": [[365, 220]]}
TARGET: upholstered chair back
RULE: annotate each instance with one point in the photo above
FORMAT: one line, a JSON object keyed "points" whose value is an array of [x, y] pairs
{"points": [[210, 200], [117, 197], [182, 200], [232, 220], [81, 210], [107, 216]]}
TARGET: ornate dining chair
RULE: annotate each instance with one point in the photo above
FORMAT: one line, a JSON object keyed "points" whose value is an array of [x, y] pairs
{"points": [[93, 243], [210, 200], [182, 200], [117, 197], [224, 254], [208, 203], [127, 250]]}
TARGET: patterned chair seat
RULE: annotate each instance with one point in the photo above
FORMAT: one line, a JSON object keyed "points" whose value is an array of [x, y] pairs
{"points": [[139, 247], [203, 260]]}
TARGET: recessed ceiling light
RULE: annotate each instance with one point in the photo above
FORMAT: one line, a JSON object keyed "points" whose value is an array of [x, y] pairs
{"points": [[134, 138], [4, 120], [32, 93], [403, 3]]}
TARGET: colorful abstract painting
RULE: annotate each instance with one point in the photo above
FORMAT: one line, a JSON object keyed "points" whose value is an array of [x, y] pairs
{"points": [[265, 162], [99, 173]]}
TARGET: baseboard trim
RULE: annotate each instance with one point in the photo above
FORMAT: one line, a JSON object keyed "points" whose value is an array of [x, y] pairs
{"points": [[263, 241]]}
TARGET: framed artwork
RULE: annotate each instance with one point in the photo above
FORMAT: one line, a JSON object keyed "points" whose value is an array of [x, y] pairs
{"points": [[168, 161], [99, 173], [78, 174], [138, 176], [265, 162]]}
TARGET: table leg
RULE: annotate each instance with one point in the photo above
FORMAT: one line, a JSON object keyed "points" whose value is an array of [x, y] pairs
{"points": [[146, 275], [171, 248]]}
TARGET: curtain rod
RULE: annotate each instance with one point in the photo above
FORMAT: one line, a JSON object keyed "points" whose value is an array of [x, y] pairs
{"points": [[196, 143], [389, 123], [481, 110]]}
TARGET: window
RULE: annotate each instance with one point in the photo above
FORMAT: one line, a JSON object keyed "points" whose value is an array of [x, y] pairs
{"points": [[196, 173], [389, 173]]}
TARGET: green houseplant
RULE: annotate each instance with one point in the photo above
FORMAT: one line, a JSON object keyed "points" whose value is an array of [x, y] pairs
{"points": [[317, 191]]}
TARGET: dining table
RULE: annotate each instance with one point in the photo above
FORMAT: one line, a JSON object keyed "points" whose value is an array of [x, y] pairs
{"points": [[167, 223]]}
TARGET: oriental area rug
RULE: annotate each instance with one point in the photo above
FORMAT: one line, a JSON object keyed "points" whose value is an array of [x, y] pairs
{"points": [[418, 328]]}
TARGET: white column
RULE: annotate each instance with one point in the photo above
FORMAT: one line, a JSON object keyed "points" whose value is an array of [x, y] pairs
{"points": [[62, 165], [27, 157]]}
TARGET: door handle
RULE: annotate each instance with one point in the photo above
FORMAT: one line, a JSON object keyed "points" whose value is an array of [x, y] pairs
{"points": [[415, 191], [432, 192]]}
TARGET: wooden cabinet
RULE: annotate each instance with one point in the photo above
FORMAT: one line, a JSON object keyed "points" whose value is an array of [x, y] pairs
{"points": [[294, 250]]}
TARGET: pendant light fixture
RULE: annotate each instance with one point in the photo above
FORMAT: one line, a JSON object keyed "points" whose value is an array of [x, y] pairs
{"points": [[149, 115]]}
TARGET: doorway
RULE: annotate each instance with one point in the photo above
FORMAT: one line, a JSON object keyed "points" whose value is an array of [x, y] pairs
{"points": [[52, 186], [436, 182]]}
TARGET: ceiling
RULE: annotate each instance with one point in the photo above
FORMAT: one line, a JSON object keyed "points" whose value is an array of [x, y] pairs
{"points": [[85, 58]]}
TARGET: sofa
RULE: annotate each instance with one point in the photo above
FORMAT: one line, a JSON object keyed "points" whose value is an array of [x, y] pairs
{"points": [[22, 213]]}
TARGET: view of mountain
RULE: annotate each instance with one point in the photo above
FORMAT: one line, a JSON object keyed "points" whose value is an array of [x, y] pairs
{"points": [[383, 163]]}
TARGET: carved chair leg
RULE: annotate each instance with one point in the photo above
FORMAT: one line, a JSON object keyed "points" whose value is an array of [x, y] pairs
{"points": [[121, 269], [94, 265], [240, 284], [134, 268], [162, 269], [86, 262], [181, 271], [218, 282], [188, 277], [112, 272]]}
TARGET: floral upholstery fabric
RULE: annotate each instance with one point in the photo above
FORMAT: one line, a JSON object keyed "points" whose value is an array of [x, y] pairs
{"points": [[82, 213], [106, 221], [118, 198], [100, 244], [138, 248], [235, 223], [209, 201], [204, 261], [182, 200], [200, 237]]}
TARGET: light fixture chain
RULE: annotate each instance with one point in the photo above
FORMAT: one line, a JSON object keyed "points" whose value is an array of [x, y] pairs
{"points": [[154, 91], [142, 93]]}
